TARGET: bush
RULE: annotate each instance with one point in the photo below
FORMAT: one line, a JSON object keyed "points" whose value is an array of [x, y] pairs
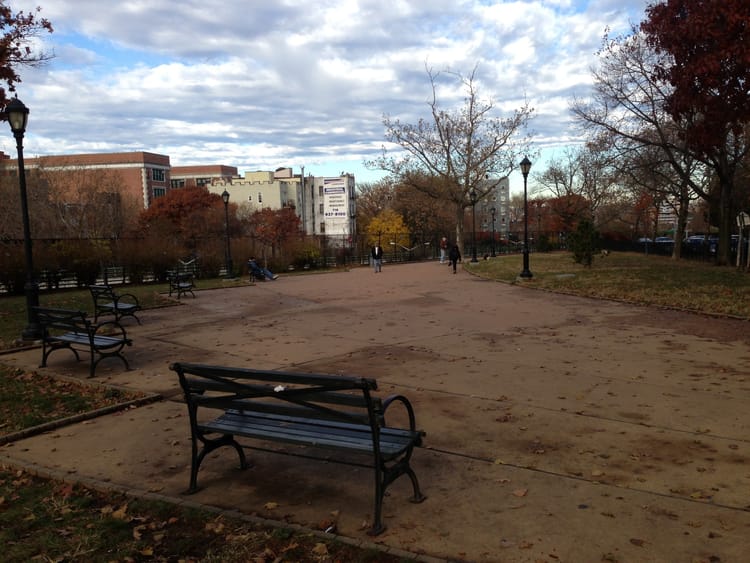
{"points": [[584, 242]]}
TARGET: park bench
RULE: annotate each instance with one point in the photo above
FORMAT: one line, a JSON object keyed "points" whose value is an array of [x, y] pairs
{"points": [[63, 328], [181, 284], [106, 301], [306, 411]]}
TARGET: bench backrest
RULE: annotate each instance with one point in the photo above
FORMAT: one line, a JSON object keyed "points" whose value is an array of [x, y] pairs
{"points": [[318, 396], [62, 320], [103, 292]]}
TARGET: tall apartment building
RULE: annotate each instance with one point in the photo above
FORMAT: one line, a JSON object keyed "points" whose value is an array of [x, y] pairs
{"points": [[325, 205], [499, 199]]}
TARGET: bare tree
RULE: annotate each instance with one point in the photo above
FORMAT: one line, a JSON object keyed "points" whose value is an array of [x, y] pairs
{"points": [[648, 145], [456, 150]]}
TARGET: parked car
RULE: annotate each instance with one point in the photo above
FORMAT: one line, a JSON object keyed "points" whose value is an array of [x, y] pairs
{"points": [[663, 240]]}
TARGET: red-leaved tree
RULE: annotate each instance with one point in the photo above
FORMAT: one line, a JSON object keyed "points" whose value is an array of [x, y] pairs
{"points": [[709, 69]]}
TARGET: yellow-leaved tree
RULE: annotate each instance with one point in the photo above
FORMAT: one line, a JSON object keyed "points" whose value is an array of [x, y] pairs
{"points": [[388, 227]]}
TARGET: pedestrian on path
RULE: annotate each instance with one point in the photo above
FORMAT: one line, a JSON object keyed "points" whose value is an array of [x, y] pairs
{"points": [[454, 255], [377, 258], [443, 249]]}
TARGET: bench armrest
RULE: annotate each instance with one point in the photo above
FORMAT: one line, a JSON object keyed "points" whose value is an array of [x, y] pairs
{"points": [[109, 328], [128, 298], [407, 405]]}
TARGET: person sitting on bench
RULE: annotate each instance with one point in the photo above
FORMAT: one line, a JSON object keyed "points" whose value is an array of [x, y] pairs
{"points": [[258, 272]]}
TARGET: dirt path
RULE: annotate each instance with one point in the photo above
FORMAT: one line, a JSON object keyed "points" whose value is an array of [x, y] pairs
{"points": [[558, 428]]}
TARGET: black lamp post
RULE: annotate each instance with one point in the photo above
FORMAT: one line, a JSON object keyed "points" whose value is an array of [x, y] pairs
{"points": [[493, 211], [473, 197], [525, 167], [228, 253], [17, 115]]}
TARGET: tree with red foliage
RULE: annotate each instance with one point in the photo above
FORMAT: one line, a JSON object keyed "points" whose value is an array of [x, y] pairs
{"points": [[17, 32], [271, 227], [186, 213], [709, 69]]}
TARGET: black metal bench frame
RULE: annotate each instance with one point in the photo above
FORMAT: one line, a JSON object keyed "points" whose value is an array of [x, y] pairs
{"points": [[181, 284], [106, 301], [324, 411], [63, 328]]}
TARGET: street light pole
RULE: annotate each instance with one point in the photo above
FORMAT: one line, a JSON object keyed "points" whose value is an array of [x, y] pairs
{"points": [[228, 253], [473, 197], [493, 211], [17, 115], [525, 167]]}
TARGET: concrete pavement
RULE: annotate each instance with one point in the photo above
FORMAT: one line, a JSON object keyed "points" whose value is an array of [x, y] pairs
{"points": [[558, 428]]}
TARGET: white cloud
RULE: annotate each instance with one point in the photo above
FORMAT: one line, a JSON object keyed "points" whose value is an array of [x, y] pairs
{"points": [[260, 84]]}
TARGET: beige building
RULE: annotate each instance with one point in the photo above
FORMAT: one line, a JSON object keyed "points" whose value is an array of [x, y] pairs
{"points": [[325, 205]]}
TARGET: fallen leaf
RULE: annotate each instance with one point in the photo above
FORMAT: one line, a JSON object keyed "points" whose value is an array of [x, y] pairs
{"points": [[520, 492], [271, 505], [636, 541]]}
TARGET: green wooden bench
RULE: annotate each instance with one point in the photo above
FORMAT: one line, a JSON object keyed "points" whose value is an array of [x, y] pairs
{"points": [[67, 329], [338, 413], [106, 301]]}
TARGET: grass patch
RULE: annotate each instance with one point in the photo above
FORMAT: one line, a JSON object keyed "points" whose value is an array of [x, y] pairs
{"points": [[636, 278], [30, 399], [47, 520]]}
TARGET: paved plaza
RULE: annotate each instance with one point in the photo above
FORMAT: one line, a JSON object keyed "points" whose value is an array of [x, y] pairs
{"points": [[557, 428]]}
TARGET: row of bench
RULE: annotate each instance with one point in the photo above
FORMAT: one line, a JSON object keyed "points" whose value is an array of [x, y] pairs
{"points": [[303, 412], [73, 330]]}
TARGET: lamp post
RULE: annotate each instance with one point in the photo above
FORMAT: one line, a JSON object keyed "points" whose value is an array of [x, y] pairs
{"points": [[17, 115], [525, 167], [228, 253], [493, 211], [473, 198]]}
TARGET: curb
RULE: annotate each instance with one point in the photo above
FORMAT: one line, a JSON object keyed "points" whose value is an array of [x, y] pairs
{"points": [[59, 423]]}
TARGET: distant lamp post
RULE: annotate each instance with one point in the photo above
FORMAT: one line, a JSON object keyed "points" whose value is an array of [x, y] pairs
{"points": [[525, 167], [473, 198], [17, 115], [228, 252], [493, 211]]}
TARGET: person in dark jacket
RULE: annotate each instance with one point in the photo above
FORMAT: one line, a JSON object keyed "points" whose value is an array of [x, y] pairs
{"points": [[258, 272], [377, 258], [454, 254]]}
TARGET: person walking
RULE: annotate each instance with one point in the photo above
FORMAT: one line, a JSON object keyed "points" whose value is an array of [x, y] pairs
{"points": [[377, 258], [454, 255], [443, 249]]}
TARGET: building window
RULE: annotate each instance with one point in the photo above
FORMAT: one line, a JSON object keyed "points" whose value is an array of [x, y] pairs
{"points": [[260, 197], [321, 209], [320, 191], [159, 192], [202, 182], [177, 183], [322, 227], [157, 174]]}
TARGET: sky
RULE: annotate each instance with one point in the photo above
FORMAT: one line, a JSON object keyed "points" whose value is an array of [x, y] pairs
{"points": [[261, 84]]}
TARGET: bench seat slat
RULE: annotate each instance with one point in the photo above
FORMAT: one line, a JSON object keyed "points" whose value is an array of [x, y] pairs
{"points": [[316, 433]]}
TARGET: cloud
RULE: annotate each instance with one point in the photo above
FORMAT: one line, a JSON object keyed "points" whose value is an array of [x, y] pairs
{"points": [[258, 84]]}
